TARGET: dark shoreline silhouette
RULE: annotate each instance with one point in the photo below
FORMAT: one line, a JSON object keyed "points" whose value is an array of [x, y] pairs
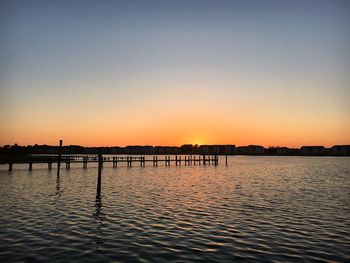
{"points": [[11, 152]]}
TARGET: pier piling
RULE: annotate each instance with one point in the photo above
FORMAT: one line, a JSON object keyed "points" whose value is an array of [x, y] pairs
{"points": [[100, 162], [59, 158], [85, 162], [68, 163]]}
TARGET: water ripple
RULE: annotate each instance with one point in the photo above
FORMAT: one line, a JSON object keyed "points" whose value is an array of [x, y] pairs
{"points": [[284, 209]]}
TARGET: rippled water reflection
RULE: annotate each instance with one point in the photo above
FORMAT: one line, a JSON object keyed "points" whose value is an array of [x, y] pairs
{"points": [[257, 208]]}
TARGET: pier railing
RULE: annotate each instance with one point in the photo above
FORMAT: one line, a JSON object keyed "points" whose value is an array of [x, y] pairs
{"points": [[167, 160]]}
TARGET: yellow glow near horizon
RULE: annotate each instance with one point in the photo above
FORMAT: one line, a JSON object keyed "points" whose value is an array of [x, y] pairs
{"points": [[199, 140]]}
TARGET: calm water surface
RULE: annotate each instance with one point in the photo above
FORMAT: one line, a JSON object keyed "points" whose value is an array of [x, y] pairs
{"points": [[256, 209]]}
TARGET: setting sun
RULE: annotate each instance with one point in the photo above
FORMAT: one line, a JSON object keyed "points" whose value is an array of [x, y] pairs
{"points": [[196, 139]]}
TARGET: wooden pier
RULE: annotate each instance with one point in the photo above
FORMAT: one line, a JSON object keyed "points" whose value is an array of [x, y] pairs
{"points": [[115, 160]]}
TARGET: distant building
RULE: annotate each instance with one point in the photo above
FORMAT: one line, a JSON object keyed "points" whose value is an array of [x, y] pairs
{"points": [[278, 151], [132, 149], [251, 150], [147, 149], [218, 149], [312, 150], [227, 149], [116, 150], [340, 150], [166, 150], [187, 149], [283, 151]]}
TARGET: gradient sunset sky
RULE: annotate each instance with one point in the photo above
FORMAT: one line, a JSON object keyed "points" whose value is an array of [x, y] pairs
{"points": [[173, 72]]}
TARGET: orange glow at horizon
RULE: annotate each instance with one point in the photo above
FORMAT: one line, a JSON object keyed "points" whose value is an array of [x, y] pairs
{"points": [[173, 132], [164, 116], [170, 74]]}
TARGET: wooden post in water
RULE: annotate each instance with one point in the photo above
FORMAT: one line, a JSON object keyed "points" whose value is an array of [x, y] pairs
{"points": [[49, 165], [142, 161], [100, 161], [68, 163], [203, 159], [115, 159], [129, 160], [85, 162], [59, 158], [30, 166], [10, 167], [226, 159]]}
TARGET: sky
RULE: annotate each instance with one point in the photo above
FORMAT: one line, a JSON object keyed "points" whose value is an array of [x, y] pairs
{"points": [[93, 73]]}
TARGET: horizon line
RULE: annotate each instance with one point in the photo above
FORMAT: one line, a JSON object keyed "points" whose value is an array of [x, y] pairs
{"points": [[188, 144]]}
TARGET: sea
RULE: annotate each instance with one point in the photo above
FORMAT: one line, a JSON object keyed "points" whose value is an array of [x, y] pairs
{"points": [[254, 209]]}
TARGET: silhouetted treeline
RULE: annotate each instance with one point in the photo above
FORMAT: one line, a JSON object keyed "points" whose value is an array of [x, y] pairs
{"points": [[337, 150]]}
